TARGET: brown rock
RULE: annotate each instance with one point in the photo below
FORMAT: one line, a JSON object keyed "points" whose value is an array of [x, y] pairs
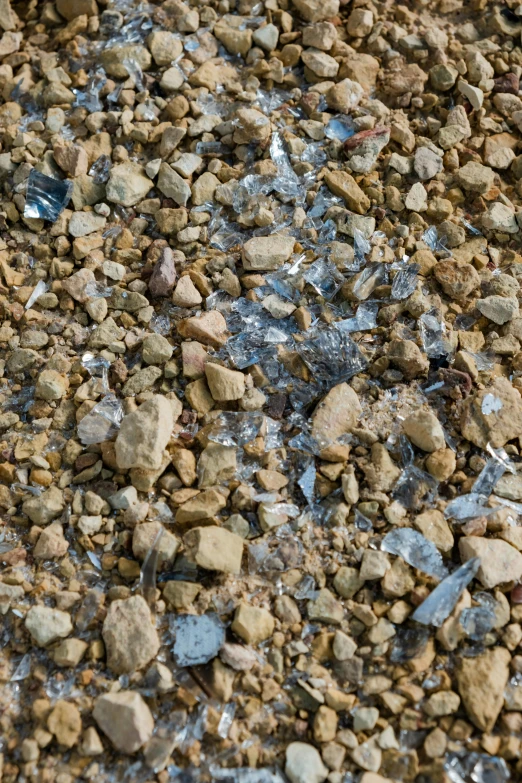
{"points": [[492, 415], [481, 681]]}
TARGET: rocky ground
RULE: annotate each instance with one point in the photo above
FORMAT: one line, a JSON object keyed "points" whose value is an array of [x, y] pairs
{"points": [[260, 389]]}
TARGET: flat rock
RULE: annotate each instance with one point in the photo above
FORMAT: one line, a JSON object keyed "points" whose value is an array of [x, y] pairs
{"points": [[130, 637], [125, 718], [492, 415], [499, 561], [265, 253], [47, 625], [481, 682], [215, 549], [127, 184], [144, 435]]}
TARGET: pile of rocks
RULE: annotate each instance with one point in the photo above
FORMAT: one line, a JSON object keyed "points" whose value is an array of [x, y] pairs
{"points": [[260, 387]]}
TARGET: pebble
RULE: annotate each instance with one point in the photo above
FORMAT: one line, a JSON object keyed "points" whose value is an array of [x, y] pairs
{"points": [[304, 764], [47, 625], [129, 636], [126, 720], [144, 435]]}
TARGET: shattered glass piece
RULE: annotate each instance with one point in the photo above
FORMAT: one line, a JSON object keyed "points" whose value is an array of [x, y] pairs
{"points": [[470, 228], [39, 289], [477, 621], [236, 429], [323, 201], [307, 482], [226, 719], [23, 670], [364, 319], [340, 128], [492, 472], [431, 238], [101, 169], [361, 247], [95, 290], [414, 488], [416, 550], [306, 589], [46, 197], [134, 70], [327, 234], [160, 324], [409, 643], [468, 506], [288, 509], [464, 322], [95, 560], [466, 767], [483, 360], [405, 282], [271, 100], [491, 404], [361, 522], [287, 182], [102, 422], [325, 278], [210, 148], [370, 278], [198, 638], [440, 603], [433, 334], [148, 571], [331, 355]]}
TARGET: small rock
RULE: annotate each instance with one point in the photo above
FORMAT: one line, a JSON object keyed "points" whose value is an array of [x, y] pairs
{"points": [[266, 253], [125, 718], [65, 723], [482, 423], [163, 276], [476, 177], [144, 435], [224, 384], [215, 549], [424, 430], [343, 184], [127, 184], [51, 543], [303, 763], [499, 217], [47, 625], [481, 682], [130, 638], [186, 293], [499, 561], [252, 624], [427, 164], [499, 309]]}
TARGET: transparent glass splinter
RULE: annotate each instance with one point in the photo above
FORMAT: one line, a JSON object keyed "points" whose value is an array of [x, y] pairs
{"points": [[46, 197]]}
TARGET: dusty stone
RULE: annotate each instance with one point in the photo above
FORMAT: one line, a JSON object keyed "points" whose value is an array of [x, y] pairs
{"points": [[501, 424], [164, 275], [266, 253], [216, 465], [224, 384], [51, 543], [304, 764], [130, 638], [186, 293], [252, 624], [125, 718], [127, 184], [47, 625], [434, 527], [457, 279], [215, 549], [499, 561], [65, 723], [498, 309], [144, 435], [209, 328], [156, 349], [336, 414], [424, 430], [343, 184], [476, 177], [481, 682]]}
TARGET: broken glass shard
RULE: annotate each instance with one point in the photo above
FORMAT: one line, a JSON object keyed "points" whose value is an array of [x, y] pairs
{"points": [[466, 767], [440, 603], [331, 355], [226, 719], [198, 638], [23, 670], [405, 282], [416, 550], [468, 506], [431, 237], [210, 148], [307, 482], [134, 70], [361, 522], [364, 319], [39, 289], [149, 570], [325, 278], [323, 201], [433, 334], [101, 169], [340, 128], [374, 275], [102, 422], [306, 589], [492, 472], [471, 229], [409, 643], [361, 247], [95, 290], [287, 182], [477, 621], [46, 197], [414, 488], [491, 404]]}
